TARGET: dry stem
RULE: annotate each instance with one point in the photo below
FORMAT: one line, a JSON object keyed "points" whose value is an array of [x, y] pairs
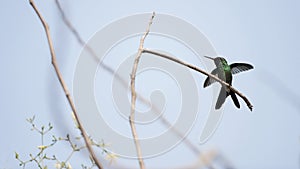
{"points": [[133, 95], [64, 86]]}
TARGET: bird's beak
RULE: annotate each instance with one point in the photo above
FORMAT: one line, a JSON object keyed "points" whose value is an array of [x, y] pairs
{"points": [[209, 57]]}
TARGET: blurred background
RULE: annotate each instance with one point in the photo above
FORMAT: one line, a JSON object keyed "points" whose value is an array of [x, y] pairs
{"points": [[263, 33]]}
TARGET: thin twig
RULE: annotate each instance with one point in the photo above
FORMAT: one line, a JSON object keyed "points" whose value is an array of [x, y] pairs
{"points": [[133, 95], [64, 86], [201, 71]]}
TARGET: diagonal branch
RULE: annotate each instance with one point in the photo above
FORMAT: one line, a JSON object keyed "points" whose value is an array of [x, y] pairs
{"points": [[200, 71], [133, 95], [64, 86]]}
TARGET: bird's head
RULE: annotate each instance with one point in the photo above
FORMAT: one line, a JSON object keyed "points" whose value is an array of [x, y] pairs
{"points": [[216, 59]]}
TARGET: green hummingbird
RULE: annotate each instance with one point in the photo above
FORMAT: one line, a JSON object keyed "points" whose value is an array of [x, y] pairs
{"points": [[224, 71]]}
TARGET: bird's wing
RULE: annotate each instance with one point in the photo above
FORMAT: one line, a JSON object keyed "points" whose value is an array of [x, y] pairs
{"points": [[208, 81], [240, 67]]}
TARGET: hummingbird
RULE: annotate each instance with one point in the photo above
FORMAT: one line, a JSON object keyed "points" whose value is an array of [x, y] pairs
{"points": [[224, 71]]}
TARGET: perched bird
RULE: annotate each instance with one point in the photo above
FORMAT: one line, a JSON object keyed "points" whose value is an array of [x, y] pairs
{"points": [[224, 71]]}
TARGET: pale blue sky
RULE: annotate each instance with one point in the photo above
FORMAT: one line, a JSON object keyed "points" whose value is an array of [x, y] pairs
{"points": [[263, 33]]}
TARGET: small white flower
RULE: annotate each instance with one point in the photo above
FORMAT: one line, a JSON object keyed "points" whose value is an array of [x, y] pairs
{"points": [[69, 166], [57, 165]]}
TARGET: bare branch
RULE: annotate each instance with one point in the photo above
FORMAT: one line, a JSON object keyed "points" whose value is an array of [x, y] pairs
{"points": [[64, 86], [133, 95], [201, 71]]}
